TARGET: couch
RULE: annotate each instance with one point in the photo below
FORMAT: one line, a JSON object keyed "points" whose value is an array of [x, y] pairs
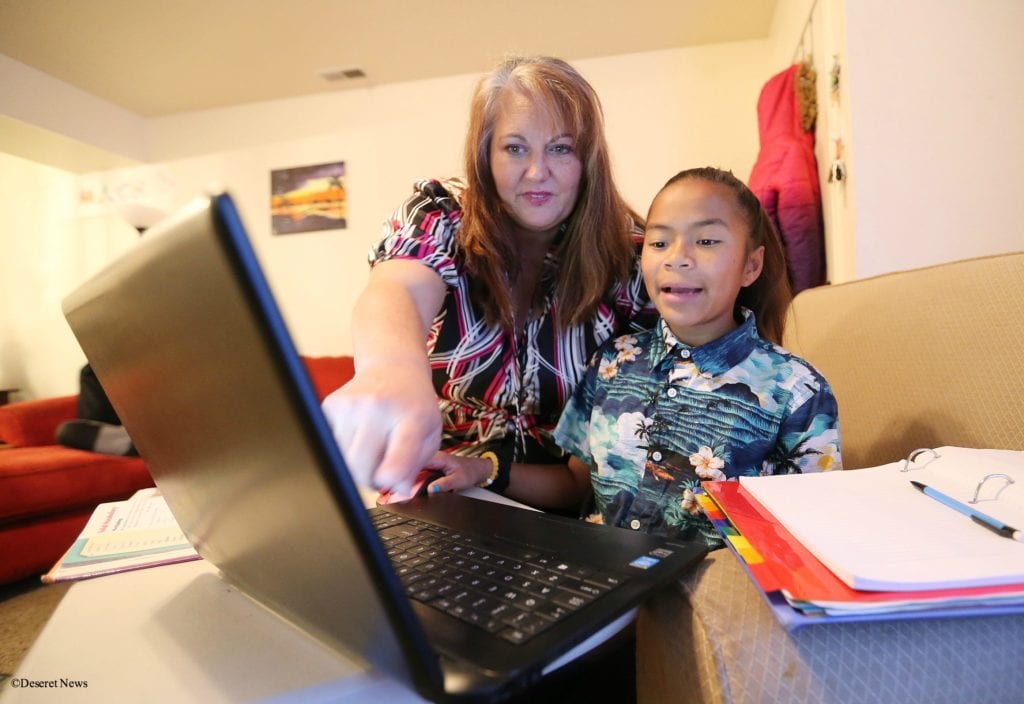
{"points": [[48, 492], [916, 359]]}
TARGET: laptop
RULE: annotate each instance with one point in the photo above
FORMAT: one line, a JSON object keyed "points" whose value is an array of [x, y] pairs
{"points": [[185, 336]]}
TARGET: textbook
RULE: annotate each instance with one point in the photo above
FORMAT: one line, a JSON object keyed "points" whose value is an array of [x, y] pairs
{"points": [[124, 535], [878, 529]]}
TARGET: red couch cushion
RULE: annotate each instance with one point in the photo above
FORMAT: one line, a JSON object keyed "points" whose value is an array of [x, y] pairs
{"points": [[38, 481], [28, 423], [47, 492], [328, 373]]}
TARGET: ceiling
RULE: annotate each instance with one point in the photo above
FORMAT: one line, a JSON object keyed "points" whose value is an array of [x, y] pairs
{"points": [[160, 57]]}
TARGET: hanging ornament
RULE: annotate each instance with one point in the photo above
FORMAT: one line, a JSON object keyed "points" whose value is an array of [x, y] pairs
{"points": [[834, 79]]}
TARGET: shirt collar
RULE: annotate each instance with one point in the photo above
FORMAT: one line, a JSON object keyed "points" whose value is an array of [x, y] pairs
{"points": [[715, 357], [553, 259]]}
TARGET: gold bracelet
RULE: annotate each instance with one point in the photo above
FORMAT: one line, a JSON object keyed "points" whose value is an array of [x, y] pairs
{"points": [[494, 469]]}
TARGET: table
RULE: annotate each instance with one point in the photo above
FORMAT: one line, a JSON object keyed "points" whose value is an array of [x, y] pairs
{"points": [[182, 633]]}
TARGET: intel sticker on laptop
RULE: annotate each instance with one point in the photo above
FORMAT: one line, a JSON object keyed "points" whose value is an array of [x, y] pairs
{"points": [[644, 562]]}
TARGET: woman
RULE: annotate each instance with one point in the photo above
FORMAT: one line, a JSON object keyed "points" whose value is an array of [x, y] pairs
{"points": [[509, 281]]}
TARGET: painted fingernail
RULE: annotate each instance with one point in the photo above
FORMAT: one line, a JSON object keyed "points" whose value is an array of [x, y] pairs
{"points": [[435, 489]]}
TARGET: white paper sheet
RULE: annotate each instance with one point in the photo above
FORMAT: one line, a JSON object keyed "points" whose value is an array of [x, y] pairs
{"points": [[875, 531]]}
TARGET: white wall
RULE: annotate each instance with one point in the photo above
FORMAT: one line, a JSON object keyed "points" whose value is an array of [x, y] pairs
{"points": [[32, 97], [930, 109], [48, 248], [936, 96], [838, 196], [693, 106], [388, 138], [671, 110]]}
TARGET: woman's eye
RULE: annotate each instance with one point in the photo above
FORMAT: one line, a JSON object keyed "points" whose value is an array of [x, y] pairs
{"points": [[514, 148], [706, 242], [656, 244], [561, 149]]}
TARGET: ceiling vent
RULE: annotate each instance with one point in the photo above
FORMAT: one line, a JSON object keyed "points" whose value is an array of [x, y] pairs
{"points": [[343, 74]]}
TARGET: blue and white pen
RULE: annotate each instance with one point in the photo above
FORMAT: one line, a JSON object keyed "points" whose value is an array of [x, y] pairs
{"points": [[993, 524]]}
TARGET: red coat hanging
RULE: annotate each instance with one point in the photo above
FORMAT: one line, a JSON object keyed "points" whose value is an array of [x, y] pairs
{"points": [[785, 179]]}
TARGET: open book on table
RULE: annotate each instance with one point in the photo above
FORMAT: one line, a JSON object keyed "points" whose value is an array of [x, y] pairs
{"points": [[875, 531], [124, 535]]}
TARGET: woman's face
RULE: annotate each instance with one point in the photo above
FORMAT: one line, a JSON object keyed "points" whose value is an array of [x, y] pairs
{"points": [[534, 165]]}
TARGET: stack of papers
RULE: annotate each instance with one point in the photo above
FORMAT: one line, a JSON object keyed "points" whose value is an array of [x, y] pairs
{"points": [[124, 535], [865, 544]]}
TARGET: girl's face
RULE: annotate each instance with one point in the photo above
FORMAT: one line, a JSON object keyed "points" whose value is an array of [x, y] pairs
{"points": [[534, 165], [695, 259]]}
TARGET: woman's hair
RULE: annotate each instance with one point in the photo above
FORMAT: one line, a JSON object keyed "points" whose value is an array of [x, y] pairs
{"points": [[769, 295], [597, 248]]}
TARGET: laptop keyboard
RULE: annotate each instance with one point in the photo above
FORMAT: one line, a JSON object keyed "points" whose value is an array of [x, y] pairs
{"points": [[507, 589]]}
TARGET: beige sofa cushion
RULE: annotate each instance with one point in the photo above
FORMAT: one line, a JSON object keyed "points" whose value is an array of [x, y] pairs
{"points": [[712, 639], [920, 358]]}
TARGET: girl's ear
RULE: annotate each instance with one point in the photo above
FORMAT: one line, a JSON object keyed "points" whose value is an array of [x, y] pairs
{"points": [[753, 266]]}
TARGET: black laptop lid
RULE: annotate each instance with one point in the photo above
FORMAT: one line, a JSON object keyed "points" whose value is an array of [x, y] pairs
{"points": [[217, 400]]}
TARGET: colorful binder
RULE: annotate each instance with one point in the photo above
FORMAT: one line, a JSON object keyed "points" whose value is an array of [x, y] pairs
{"points": [[801, 591]]}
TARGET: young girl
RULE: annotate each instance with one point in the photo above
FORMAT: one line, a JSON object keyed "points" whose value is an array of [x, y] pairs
{"points": [[707, 394]]}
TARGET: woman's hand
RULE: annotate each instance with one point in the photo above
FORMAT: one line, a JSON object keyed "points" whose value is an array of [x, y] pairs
{"points": [[388, 425], [386, 419], [459, 472]]}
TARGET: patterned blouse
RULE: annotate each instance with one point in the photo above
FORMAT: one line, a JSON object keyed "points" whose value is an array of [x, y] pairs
{"points": [[654, 417], [497, 392]]}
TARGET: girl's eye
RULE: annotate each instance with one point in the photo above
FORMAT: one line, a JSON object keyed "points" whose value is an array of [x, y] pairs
{"points": [[656, 244]]}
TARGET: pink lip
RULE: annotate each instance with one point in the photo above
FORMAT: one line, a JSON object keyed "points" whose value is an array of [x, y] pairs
{"points": [[537, 197]]}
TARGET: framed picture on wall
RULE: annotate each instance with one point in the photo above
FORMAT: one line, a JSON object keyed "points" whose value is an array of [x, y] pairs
{"points": [[308, 198]]}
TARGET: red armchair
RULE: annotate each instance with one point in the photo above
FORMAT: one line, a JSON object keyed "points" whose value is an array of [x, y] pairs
{"points": [[48, 492]]}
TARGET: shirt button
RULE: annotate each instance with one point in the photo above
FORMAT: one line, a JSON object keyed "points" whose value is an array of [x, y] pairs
{"points": [[685, 354], [634, 524], [672, 392], [656, 456]]}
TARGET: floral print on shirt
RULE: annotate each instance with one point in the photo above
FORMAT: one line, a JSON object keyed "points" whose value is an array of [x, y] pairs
{"points": [[654, 418]]}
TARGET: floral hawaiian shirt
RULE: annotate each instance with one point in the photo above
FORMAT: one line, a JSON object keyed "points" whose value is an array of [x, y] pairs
{"points": [[654, 417], [495, 390]]}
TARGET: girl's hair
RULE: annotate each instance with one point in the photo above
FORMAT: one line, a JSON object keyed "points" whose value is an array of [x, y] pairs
{"points": [[597, 248], [769, 295]]}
